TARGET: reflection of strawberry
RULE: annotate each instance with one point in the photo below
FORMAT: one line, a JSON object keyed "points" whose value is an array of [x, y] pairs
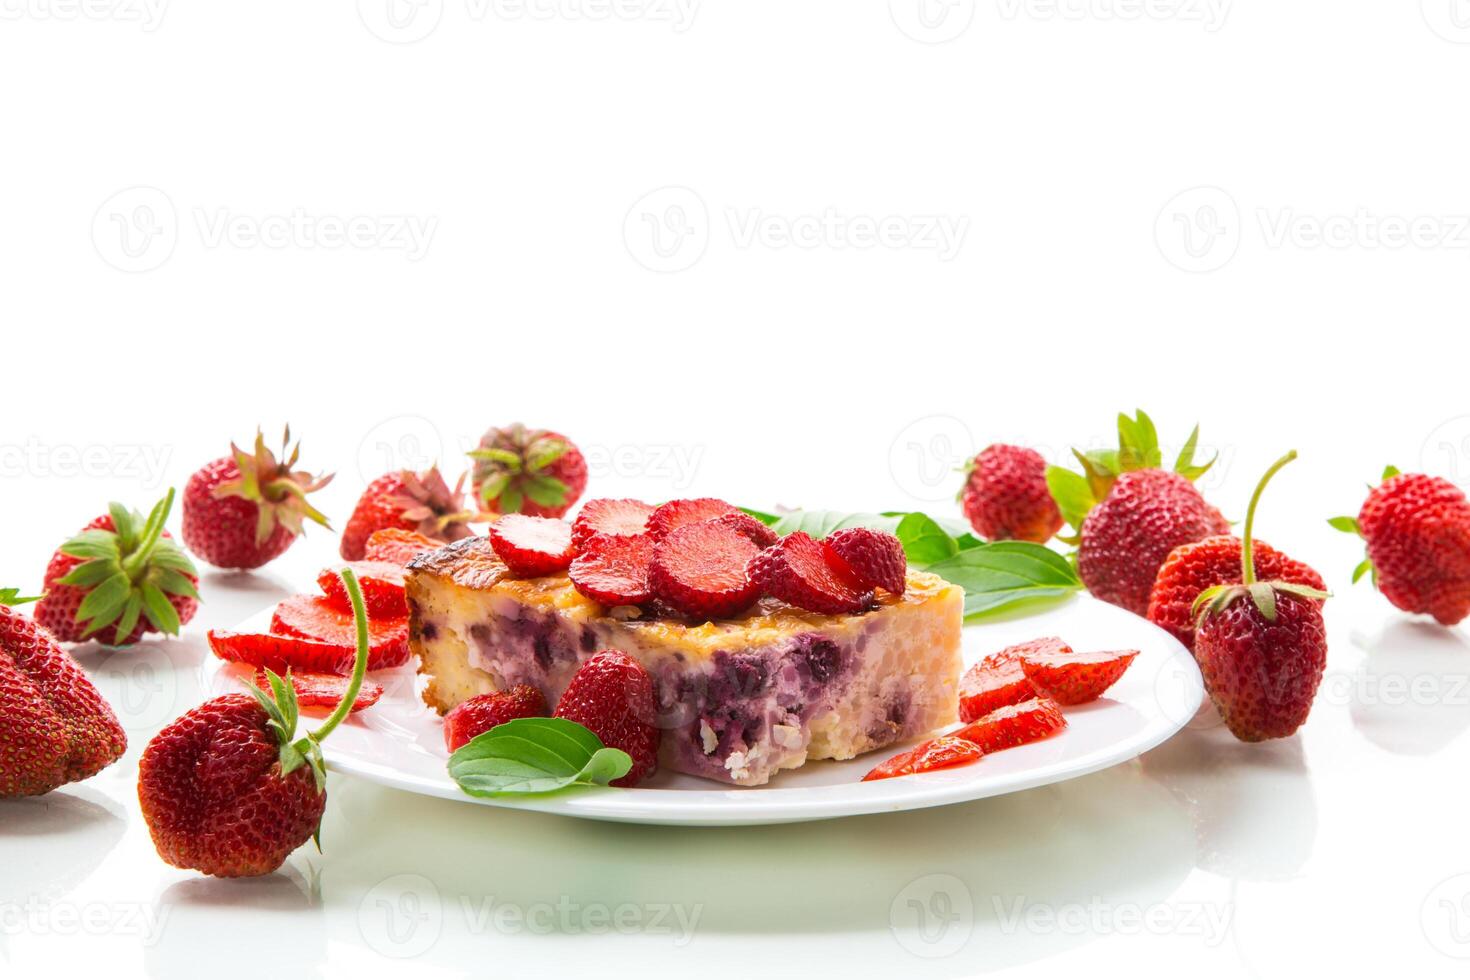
{"points": [[528, 471], [1006, 498], [1261, 646], [119, 579], [1015, 724], [612, 695], [55, 728], [943, 752], [1126, 538], [1418, 533], [243, 510], [486, 711], [407, 501]]}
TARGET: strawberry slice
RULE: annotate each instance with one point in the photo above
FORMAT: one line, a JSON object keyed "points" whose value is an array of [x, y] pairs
{"points": [[398, 546], [618, 518], [533, 546], [613, 569], [675, 514], [1014, 724], [1075, 678], [325, 690], [944, 752], [753, 529], [315, 618], [795, 570], [701, 570], [867, 559], [282, 653], [382, 588], [998, 680]]}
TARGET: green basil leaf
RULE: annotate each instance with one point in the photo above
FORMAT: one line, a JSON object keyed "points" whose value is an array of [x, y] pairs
{"points": [[1348, 525], [924, 541], [535, 755], [1072, 493], [1003, 574], [767, 519]]}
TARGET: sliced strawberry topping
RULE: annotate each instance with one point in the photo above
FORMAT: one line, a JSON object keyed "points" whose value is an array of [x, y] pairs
{"points": [[795, 570], [868, 559], [675, 514], [315, 618], [1075, 678], [701, 570], [753, 529], [325, 690], [486, 711], [282, 653], [1015, 724], [944, 752], [613, 570], [533, 546], [398, 546], [998, 680], [612, 694], [619, 518], [382, 588]]}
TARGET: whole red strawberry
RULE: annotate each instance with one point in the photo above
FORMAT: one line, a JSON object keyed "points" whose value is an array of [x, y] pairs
{"points": [[408, 501], [228, 789], [1006, 498], [54, 726], [122, 577], [611, 694], [1193, 568], [483, 712], [1261, 646], [244, 510], [1126, 538], [1418, 533], [528, 471]]}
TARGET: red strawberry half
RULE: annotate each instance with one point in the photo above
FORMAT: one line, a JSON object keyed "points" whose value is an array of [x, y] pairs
{"points": [[867, 559], [612, 695], [325, 690], [533, 546], [1015, 724], [382, 588], [702, 571], [616, 518], [675, 514], [613, 570], [795, 570], [944, 752], [315, 618], [1075, 678], [998, 680], [486, 711]]}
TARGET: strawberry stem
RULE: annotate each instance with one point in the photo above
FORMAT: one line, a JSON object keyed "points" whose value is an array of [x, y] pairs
{"points": [[152, 531], [1248, 547], [359, 665]]}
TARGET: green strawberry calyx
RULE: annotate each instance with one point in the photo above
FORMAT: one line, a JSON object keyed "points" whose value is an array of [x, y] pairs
{"points": [[1138, 449], [439, 510], [275, 486], [1350, 525], [1215, 600], [12, 597], [130, 572], [511, 465], [282, 711]]}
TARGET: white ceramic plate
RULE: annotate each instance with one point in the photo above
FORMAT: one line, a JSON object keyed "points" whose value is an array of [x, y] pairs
{"points": [[400, 743]]}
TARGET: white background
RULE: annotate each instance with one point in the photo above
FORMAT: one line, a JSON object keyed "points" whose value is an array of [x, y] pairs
{"points": [[1251, 215]]}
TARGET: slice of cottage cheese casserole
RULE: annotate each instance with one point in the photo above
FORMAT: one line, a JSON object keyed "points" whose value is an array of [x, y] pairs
{"points": [[738, 700]]}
